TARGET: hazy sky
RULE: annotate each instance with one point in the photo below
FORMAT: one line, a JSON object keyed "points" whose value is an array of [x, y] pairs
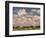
{"points": [[30, 11]]}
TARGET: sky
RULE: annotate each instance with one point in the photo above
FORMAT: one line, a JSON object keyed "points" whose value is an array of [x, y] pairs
{"points": [[29, 11]]}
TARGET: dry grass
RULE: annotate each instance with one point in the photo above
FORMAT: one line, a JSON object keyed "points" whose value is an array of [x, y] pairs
{"points": [[26, 28]]}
